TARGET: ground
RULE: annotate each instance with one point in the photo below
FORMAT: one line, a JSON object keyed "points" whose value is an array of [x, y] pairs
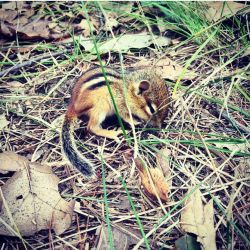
{"points": [[46, 47]]}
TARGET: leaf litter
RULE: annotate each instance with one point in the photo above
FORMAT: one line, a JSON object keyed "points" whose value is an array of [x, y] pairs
{"points": [[30, 200], [31, 112], [153, 181], [198, 219]]}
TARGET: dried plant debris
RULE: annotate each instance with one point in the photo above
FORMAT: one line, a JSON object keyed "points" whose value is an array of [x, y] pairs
{"points": [[45, 47], [30, 200], [10, 161], [153, 181], [187, 242], [120, 239], [217, 10], [163, 162], [125, 42], [32, 23], [3, 121], [198, 219], [167, 68]]}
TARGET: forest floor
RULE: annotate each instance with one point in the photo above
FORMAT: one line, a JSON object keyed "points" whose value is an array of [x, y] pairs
{"points": [[202, 50]]}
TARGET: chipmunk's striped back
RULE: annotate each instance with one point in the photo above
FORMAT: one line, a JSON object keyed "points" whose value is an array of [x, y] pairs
{"points": [[94, 78], [146, 97]]}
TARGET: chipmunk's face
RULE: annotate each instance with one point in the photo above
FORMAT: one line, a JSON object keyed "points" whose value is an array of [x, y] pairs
{"points": [[153, 99]]}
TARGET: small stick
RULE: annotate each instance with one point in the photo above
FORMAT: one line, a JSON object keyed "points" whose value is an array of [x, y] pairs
{"points": [[31, 61]]}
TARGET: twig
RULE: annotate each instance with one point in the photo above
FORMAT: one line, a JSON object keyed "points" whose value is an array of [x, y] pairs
{"points": [[31, 61], [230, 119]]}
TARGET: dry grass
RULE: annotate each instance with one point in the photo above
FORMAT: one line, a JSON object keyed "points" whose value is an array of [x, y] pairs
{"points": [[209, 143]]}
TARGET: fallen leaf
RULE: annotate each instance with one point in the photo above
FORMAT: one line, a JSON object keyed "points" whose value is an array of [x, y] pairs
{"points": [[8, 15], [187, 242], [216, 10], [119, 7], [95, 21], [15, 86], [10, 161], [123, 203], [52, 25], [198, 219], [163, 161], [153, 181], [110, 21], [165, 67], [163, 26], [121, 240], [84, 26], [13, 5], [29, 24], [125, 42], [239, 147], [36, 155], [128, 41], [33, 30], [244, 166], [31, 201], [3, 121]]}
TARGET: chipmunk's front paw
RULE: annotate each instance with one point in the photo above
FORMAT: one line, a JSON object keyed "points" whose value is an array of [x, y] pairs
{"points": [[116, 134]]}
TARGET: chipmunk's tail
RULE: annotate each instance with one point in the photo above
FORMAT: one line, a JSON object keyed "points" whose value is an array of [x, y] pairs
{"points": [[69, 147]]}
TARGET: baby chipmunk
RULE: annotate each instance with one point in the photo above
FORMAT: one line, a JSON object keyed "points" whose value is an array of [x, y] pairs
{"points": [[146, 96]]}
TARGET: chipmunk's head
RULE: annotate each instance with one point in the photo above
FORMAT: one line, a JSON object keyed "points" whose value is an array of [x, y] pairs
{"points": [[150, 98]]}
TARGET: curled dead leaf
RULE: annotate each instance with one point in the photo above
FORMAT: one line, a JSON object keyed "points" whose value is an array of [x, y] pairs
{"points": [[153, 181], [30, 200]]}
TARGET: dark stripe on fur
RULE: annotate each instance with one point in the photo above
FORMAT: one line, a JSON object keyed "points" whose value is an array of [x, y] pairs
{"points": [[137, 118], [70, 151], [97, 75], [151, 107], [97, 85]]}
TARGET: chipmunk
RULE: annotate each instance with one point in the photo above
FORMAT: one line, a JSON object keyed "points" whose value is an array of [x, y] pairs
{"points": [[147, 98]]}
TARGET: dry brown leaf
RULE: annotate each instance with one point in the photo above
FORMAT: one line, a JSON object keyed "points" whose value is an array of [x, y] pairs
{"points": [[33, 30], [123, 203], [10, 161], [13, 5], [163, 161], [158, 186], [3, 121], [8, 15], [120, 7], [121, 240], [240, 147], [198, 219], [217, 10], [110, 21], [31, 201], [125, 42], [112, 12], [84, 26], [19, 20], [165, 67]]}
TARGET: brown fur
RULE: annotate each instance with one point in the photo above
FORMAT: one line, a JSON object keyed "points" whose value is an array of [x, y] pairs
{"points": [[145, 94], [97, 103]]}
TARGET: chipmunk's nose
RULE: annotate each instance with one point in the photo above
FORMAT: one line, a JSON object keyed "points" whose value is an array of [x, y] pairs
{"points": [[157, 123]]}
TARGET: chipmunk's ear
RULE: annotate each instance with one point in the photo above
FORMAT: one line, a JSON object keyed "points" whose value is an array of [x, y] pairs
{"points": [[143, 86]]}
